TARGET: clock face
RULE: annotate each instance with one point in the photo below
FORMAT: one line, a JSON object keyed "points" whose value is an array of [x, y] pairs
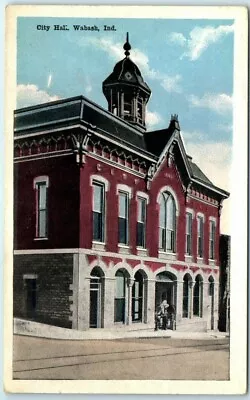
{"points": [[128, 75]]}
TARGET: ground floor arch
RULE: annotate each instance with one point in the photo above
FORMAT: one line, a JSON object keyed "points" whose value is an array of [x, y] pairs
{"points": [[187, 296], [138, 296], [121, 295], [198, 297], [96, 293], [165, 288]]}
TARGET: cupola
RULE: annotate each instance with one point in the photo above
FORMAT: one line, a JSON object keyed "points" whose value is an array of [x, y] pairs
{"points": [[126, 91]]}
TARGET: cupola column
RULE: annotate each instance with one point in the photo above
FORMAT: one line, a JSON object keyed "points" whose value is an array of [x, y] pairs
{"points": [[122, 105]]}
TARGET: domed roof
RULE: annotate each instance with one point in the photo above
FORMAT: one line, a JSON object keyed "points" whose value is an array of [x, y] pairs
{"points": [[126, 71]]}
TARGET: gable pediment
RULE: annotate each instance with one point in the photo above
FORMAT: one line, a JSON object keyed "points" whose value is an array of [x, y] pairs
{"points": [[190, 174]]}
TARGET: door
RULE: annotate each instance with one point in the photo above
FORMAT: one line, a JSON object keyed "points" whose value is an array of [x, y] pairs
{"points": [[164, 290], [31, 299], [95, 303]]}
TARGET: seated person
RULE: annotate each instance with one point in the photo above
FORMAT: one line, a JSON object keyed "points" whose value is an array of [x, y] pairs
{"points": [[164, 307]]}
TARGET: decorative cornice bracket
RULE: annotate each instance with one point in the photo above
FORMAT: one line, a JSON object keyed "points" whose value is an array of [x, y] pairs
{"points": [[80, 146]]}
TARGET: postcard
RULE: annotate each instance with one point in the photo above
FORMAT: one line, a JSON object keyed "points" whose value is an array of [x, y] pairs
{"points": [[126, 199]]}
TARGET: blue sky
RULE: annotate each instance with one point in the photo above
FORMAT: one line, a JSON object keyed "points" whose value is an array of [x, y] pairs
{"points": [[188, 64]]}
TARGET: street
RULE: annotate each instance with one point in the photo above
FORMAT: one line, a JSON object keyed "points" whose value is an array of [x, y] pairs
{"points": [[147, 358]]}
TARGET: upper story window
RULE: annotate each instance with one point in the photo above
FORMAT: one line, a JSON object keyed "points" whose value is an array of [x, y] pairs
{"points": [[167, 222], [200, 236], [141, 222], [123, 217], [189, 233], [100, 186], [212, 227], [41, 186], [98, 211]]}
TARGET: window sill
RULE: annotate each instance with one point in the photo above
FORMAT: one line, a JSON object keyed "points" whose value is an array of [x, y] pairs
{"points": [[123, 249], [141, 251], [41, 238], [98, 245], [188, 258], [200, 260], [212, 262], [167, 256]]}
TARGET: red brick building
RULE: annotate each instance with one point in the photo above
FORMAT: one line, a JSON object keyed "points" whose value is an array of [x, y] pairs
{"points": [[110, 219]]}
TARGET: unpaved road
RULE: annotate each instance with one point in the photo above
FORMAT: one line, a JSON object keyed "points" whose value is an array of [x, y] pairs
{"points": [[156, 358]]}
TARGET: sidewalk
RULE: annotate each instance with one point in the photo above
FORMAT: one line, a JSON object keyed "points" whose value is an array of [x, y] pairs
{"points": [[30, 328]]}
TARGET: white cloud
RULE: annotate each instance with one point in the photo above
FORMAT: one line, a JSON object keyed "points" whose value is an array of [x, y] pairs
{"points": [[28, 95], [200, 39], [88, 86], [225, 128], [192, 136], [115, 52], [171, 83], [177, 38], [219, 102], [49, 80], [152, 119], [214, 159]]}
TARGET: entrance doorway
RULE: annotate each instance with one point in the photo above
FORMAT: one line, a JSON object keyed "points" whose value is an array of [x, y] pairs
{"points": [[96, 287], [165, 288]]}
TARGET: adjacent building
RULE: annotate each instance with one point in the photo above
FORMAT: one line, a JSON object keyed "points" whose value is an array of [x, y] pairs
{"points": [[224, 298], [110, 219]]}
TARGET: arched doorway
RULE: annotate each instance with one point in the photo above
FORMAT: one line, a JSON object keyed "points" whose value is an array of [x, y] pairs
{"points": [[137, 297], [96, 298], [198, 296], [211, 296], [186, 296], [165, 288], [121, 278]]}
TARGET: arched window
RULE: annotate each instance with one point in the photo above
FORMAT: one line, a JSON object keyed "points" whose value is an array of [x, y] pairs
{"points": [[187, 286], [120, 296], [167, 222], [198, 296], [137, 297], [211, 286], [96, 298]]}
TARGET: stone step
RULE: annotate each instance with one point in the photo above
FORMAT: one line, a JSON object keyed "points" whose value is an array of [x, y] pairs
{"points": [[191, 326]]}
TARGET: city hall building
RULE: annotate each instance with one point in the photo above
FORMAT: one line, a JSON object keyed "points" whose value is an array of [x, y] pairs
{"points": [[110, 219]]}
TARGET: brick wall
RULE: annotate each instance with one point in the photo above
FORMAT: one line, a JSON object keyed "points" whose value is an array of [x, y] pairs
{"points": [[54, 276]]}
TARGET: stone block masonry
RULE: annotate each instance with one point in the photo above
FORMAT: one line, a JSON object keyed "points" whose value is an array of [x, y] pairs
{"points": [[41, 286]]}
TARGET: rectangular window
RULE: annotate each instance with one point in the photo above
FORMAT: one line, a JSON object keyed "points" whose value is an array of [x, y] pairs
{"points": [[123, 217], [98, 212], [212, 240], [42, 210], [200, 234], [188, 233], [141, 222]]}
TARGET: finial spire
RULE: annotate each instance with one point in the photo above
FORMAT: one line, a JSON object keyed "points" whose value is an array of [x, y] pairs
{"points": [[127, 46]]}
